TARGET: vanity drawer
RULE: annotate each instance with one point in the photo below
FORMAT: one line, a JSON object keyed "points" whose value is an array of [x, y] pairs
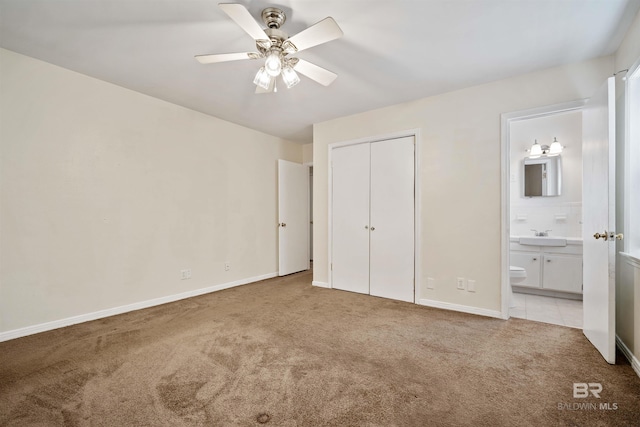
{"points": [[569, 249]]}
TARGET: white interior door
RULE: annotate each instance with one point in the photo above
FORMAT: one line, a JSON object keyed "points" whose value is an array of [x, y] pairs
{"points": [[392, 219], [350, 218], [293, 217], [598, 168]]}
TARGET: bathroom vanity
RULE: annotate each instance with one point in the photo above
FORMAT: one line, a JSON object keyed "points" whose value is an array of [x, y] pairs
{"points": [[553, 265]]}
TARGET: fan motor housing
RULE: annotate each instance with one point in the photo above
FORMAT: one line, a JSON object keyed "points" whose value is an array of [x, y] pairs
{"points": [[273, 17], [276, 36]]}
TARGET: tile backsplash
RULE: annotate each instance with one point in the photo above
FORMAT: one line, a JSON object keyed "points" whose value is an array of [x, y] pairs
{"points": [[563, 219]]}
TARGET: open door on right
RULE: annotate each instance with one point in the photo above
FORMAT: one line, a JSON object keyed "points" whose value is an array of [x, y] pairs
{"points": [[599, 219]]}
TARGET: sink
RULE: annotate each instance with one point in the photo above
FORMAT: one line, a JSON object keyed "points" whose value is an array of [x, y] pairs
{"points": [[543, 241]]}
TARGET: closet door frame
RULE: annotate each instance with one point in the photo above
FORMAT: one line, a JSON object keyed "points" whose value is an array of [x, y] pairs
{"points": [[415, 133]]}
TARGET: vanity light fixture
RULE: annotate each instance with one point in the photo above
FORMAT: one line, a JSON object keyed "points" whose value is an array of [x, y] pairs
{"points": [[538, 150], [555, 147]]}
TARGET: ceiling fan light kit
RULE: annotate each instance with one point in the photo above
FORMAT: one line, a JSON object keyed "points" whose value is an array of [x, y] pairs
{"points": [[275, 46], [290, 77], [273, 63], [262, 79]]}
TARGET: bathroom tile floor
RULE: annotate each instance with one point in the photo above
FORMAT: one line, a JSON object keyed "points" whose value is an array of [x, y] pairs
{"points": [[558, 311]]}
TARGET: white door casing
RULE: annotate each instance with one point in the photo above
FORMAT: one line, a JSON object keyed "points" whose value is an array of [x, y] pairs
{"points": [[598, 168], [350, 218], [293, 217], [506, 120], [311, 213], [392, 219]]}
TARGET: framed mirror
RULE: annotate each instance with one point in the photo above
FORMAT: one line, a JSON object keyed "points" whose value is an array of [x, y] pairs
{"points": [[542, 176]]}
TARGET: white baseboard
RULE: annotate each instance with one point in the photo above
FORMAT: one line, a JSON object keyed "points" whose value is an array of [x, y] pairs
{"points": [[461, 308], [43, 327], [320, 284], [635, 363]]}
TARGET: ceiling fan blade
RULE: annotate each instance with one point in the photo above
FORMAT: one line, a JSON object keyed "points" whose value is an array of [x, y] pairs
{"points": [[319, 74], [224, 57], [322, 32], [243, 18]]}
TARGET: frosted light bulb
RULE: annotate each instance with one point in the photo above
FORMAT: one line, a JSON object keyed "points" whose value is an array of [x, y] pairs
{"points": [[272, 64]]}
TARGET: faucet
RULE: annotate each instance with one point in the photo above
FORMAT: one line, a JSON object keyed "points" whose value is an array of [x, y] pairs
{"points": [[544, 233]]}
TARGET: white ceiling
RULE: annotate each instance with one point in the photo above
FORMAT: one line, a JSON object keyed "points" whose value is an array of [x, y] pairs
{"points": [[392, 51]]}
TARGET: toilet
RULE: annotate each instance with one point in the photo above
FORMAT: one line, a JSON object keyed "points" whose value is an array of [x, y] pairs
{"points": [[516, 275]]}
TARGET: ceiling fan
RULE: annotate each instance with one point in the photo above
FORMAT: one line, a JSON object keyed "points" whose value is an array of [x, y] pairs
{"points": [[275, 46]]}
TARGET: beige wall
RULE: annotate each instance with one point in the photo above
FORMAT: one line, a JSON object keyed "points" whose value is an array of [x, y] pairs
{"points": [[106, 194], [307, 153], [460, 199], [627, 275]]}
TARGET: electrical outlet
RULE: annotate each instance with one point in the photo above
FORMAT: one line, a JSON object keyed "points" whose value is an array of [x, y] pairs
{"points": [[471, 285], [185, 274], [460, 282], [227, 266], [431, 283]]}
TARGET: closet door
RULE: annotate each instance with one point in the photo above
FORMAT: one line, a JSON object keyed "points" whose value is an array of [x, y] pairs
{"points": [[392, 219], [350, 218]]}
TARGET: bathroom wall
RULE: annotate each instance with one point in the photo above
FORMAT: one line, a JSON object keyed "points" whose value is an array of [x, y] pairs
{"points": [[561, 214]]}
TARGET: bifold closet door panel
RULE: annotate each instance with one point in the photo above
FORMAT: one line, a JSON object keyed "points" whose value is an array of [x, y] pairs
{"points": [[350, 218], [392, 219]]}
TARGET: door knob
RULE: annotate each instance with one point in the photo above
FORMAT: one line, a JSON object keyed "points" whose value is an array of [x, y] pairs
{"points": [[366, 227], [373, 228], [603, 236], [282, 224], [609, 236]]}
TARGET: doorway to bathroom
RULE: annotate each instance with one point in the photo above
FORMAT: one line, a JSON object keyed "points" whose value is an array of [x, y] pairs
{"points": [[543, 171]]}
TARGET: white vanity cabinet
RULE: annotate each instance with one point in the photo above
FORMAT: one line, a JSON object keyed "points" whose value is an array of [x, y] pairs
{"points": [[553, 268]]}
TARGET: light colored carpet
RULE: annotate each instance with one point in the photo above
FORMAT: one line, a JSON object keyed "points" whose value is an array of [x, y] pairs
{"points": [[283, 353]]}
